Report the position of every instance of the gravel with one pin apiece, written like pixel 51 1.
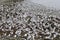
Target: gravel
pixel 28 21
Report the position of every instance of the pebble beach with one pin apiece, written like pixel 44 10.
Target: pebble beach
pixel 28 21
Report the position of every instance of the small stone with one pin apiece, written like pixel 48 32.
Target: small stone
pixel 11 32
pixel 25 35
pixel 9 35
pixel 15 35
pixel 3 30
